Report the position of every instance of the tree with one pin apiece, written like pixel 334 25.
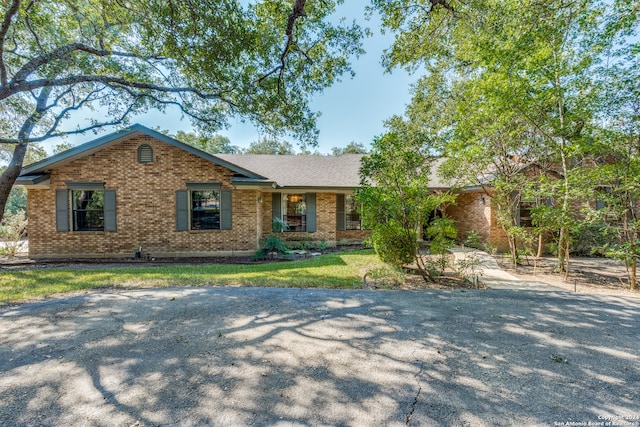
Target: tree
pixel 213 145
pixel 270 146
pixel 212 60
pixel 525 75
pixel 618 177
pixel 17 198
pixel 395 205
pixel 351 148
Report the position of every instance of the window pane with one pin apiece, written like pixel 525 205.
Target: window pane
pixel 205 210
pixel 88 210
pixel 294 212
pixel 525 213
pixel 351 211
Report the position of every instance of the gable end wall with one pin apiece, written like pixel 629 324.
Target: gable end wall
pixel 145 206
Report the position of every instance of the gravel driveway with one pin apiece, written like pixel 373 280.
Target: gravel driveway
pixel 252 356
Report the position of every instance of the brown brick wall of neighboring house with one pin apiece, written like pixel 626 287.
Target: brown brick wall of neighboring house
pixel 146 207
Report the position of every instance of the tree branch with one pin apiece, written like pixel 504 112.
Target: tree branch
pixel 25 86
pixel 444 3
pixel 63 52
pixel 4 28
pixel 27 20
pixel 297 12
pixel 74 107
pixel 51 133
pixel 138 96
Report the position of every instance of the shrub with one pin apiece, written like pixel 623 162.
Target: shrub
pixel 384 276
pixel 393 244
pixel 473 240
pixel 279 225
pixel 442 232
pixel 471 267
pixel 272 244
pixel 322 246
pixel 12 230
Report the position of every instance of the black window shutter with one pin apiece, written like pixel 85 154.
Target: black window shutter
pixel 340 219
pixel 109 210
pixel 225 210
pixel 182 210
pixel 276 205
pixel 311 212
pixel 62 210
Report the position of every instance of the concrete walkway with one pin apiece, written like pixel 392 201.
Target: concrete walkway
pixel 496 278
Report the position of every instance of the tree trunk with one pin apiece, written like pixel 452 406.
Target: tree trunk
pixel 10 175
pixel 540 245
pixel 634 278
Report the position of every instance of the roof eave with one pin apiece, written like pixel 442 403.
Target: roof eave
pixel 33 181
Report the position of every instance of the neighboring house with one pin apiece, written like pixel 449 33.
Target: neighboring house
pixel 141 189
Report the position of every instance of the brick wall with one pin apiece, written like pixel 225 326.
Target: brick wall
pixel 473 212
pixel 325 221
pixel 146 207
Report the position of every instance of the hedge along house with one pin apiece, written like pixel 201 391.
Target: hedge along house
pixel 141 189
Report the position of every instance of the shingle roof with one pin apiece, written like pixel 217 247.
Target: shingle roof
pixel 251 169
pixel 301 171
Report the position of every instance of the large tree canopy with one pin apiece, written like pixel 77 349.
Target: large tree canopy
pixel 525 84
pixel 212 60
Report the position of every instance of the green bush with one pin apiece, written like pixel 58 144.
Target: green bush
pixel 442 232
pixel 272 244
pixel 473 240
pixel 12 230
pixel 593 239
pixel 393 244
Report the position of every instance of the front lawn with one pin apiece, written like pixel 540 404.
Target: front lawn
pixel 337 270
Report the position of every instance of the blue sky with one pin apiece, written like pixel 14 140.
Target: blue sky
pixel 352 110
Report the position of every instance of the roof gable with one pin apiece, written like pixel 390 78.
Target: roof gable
pixel 90 147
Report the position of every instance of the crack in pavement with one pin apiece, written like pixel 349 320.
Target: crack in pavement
pixel 415 399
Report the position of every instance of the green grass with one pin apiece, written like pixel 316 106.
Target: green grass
pixel 338 270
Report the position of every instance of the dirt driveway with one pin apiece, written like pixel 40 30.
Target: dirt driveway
pixel 253 356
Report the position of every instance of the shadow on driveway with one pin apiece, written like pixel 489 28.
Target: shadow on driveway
pixel 242 356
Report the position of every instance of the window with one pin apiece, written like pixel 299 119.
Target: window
pixel 294 212
pixel 602 195
pixel 87 207
pixel 145 153
pixel 526 207
pixel 203 206
pixel 352 217
pixel 205 210
pixel 347 213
